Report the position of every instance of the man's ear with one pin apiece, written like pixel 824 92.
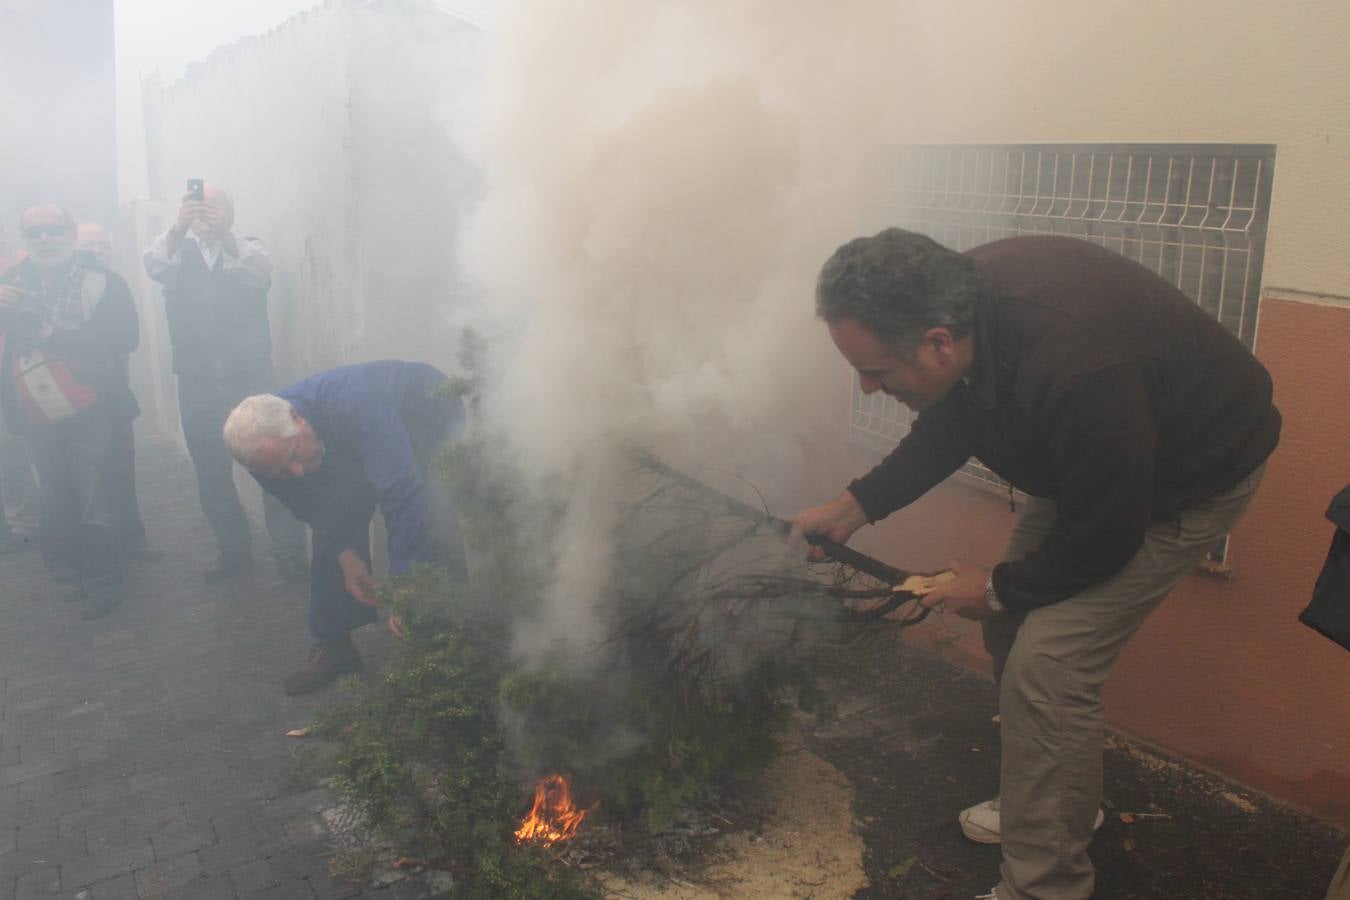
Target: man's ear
pixel 941 340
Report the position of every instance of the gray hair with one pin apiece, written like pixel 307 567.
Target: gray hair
pixel 898 284
pixel 257 417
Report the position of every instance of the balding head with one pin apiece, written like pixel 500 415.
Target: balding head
pixel 93 238
pixel 220 198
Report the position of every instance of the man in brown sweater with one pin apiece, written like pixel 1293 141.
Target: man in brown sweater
pixel 1136 424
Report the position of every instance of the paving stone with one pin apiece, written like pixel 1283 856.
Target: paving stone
pixel 225 855
pixel 174 841
pixel 232 823
pixel 286 890
pixel 162 877
pixel 109 864
pixel 254 877
pixel 123 887
pixel 24 862
pixel 36 833
pixel 217 888
pixel 45 882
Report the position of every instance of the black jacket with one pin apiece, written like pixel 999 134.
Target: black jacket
pixel 1329 611
pixel 1096 384
pixel 96 350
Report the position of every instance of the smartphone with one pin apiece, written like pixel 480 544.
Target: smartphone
pixel 196 189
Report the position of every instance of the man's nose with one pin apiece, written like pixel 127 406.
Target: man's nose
pixel 868 385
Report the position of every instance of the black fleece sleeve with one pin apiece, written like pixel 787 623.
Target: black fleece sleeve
pixel 933 449
pixel 112 329
pixel 1103 434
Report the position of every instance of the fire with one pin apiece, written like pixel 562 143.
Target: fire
pixel 554 817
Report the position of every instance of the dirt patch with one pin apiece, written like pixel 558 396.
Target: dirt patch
pixel 807 847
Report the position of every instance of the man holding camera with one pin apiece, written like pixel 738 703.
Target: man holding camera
pixel 68 325
pixel 215 297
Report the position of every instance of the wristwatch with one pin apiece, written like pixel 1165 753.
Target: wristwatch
pixel 991 596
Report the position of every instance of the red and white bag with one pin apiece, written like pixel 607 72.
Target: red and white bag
pixel 49 389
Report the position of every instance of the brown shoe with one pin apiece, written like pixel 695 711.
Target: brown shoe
pixel 327 661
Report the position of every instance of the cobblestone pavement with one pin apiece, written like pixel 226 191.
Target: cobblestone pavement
pixel 144 754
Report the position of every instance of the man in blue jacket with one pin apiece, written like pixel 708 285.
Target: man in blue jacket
pixel 334 447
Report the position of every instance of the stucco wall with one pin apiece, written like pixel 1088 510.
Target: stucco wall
pixel 1188 71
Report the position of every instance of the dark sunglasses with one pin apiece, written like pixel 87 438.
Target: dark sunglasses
pixel 33 232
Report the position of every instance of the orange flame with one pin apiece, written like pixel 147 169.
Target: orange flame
pixel 554 817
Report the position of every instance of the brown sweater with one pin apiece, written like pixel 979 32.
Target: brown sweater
pixel 1100 386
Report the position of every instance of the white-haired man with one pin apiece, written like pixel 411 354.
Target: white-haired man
pixel 333 448
pixel 215 299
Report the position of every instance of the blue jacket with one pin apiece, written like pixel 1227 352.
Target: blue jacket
pixel 381 424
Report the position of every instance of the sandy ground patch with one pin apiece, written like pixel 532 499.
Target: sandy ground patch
pixel 807 848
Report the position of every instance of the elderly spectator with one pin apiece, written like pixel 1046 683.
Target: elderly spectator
pixel 215 297
pixel 334 448
pixel 68 327
pixel 95 240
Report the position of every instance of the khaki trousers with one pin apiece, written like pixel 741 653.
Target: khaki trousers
pixel 1340 882
pixel 1051 664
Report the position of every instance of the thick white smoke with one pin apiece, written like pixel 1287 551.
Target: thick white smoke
pixel 664 181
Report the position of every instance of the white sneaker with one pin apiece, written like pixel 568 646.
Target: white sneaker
pixel 980 822
pixel 992 895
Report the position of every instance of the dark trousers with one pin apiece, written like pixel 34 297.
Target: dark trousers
pixel 129 526
pixel 204 403
pixel 75 463
pixel 332 610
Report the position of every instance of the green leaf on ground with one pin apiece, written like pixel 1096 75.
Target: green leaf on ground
pixel 900 870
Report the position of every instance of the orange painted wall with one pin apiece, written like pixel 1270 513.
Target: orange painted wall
pixel 1223 673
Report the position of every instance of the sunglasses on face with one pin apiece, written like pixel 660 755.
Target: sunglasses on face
pixel 33 232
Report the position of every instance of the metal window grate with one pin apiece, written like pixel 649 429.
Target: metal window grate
pixel 1194 213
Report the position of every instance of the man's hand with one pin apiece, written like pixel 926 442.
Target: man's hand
pixel 836 520
pixel 215 215
pixel 11 295
pixel 190 211
pixel 964 594
pixel 395 625
pixel 357 579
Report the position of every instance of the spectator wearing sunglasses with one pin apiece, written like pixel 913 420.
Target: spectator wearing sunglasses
pixel 215 297
pixel 68 326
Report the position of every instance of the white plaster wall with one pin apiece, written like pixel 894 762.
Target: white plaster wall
pixel 268 119
pixel 332 133
pixel 1181 71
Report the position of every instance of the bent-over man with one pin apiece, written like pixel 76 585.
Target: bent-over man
pixel 1137 425
pixel 333 448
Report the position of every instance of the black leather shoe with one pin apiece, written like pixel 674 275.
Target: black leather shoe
pixel 326 662
pixel 293 569
pixel 229 566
